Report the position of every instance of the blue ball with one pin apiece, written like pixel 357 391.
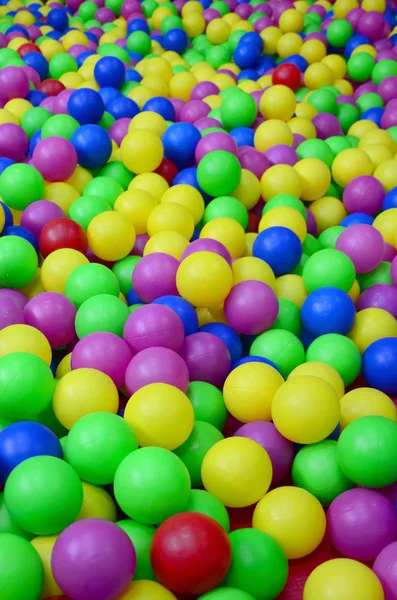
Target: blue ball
pixel 35 97
pixel 58 19
pixel 248 74
pixel 38 62
pixel 123 107
pixel 357 219
pixel 22 440
pixel 251 37
pixel 23 233
pixel 108 94
pixel 137 25
pixel 93 146
pixel 161 106
pixel 390 200
pixel 188 177
pixel 354 42
pixel 54 35
pixel 9 219
pixel 183 309
pixel 280 248
pixel 260 359
pixel 243 136
pixel 86 106
pixel 374 114
pixel 5 162
pixel 175 40
pixel 306 338
pixel 109 71
pixel 379 365
pixel 34 140
pixel 297 60
pixel 132 75
pixel 228 336
pixel 328 310
pixel 83 57
pixel 133 298
pixel 264 64
pixel 246 56
pixel 180 141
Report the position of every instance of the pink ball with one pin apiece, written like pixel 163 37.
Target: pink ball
pixel 61 102
pixel 203 89
pixel 364 245
pixel 207 245
pixel 281 154
pixel 55 158
pixel 207 358
pixel 14 142
pixel 385 567
pixel 154 325
pixel 382 296
pixel 14 83
pixel 103 351
pixel 38 214
pixel 155 276
pixel 371 25
pixel 15 295
pixel 10 313
pixel 393 271
pixel 215 141
pixel 119 129
pixel 193 111
pixel 251 307
pixel 253 160
pixel 156 365
pixel 178 104
pixel 53 314
pixel 364 194
pixel 140 243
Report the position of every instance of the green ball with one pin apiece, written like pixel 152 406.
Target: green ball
pixel 208 404
pixel 360 66
pixel 334 190
pixel 367 451
pixel 329 237
pixel 331 268
pixel 62 126
pixel 117 171
pixel 33 119
pixel 18 261
pixel 221 7
pixel 310 245
pixel 48 418
pixel 238 109
pixel 207 504
pixel 62 63
pixel 383 69
pixel 20 185
pixel 97 444
pixel 316 149
pixel 339 352
pixel 141 536
pixel 226 594
pixel 288 317
pixel 299 268
pixel 102 312
pixel 316 469
pixel 192 452
pixel 301 94
pixel 218 173
pixel 91 280
pixel 148 7
pixel 21 573
pixel 347 115
pixel 85 208
pixel 234 39
pixel 140 42
pixel 106 188
pixel 107 121
pixel 337 143
pixel 280 346
pixel 339 32
pixel 393 132
pixel 7 523
pixel 170 22
pixel 324 101
pixel 123 269
pixel 114 5
pixel 87 10
pixel 152 484
pixel 380 275
pixel 113 50
pixel 226 206
pixel 19 401
pixel 192 57
pixel 217 56
pixel 369 100
pixel 201 43
pixel 285 200
pixel 43 495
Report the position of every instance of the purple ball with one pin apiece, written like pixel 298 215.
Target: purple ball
pixel 154 325
pixel 253 160
pixel 104 15
pixel 38 214
pixel 361 522
pixel 207 245
pixel 155 276
pixel 281 154
pixel 326 125
pixel 93 559
pixel 16 296
pixel 103 351
pixel 55 158
pixel 10 313
pixel 49 103
pixel 193 111
pixel 280 450
pixel 140 243
pixel 53 314
pixel 156 365
pixel 61 102
pixel 119 129
pixel 203 89
pixel 210 14
pixel 14 142
pixel 14 83
pixel 354 15
pixel 178 104
pixel 215 141
pixel 385 567
pixel 387 89
pixel 364 245
pixel 206 122
pixel 363 194
pixel 393 271
pixel 311 223
pixel 371 25
pixel 389 118
pixel 380 295
pixel 251 307
pixel 389 253
pixel 207 358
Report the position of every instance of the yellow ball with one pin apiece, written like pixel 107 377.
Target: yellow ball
pixel 360 128
pixel 7 117
pixel 252 268
pixel 387 174
pixel 354 291
pixel 97 504
pixel 34 287
pixel 342 7
pixel 315 177
pixel 248 191
pixel 386 223
pixel 284 216
pixel 349 164
pixel 313 51
pixel 204 279
pixel 218 31
pixel 377 136
pixel 140 95
pixel 157 86
pixel 191 7
pixel 152 183
pixel 79 179
pixel 337 64
pixel 377 154
pixel 146 590
pixel 71 80
pixel 278 102
pixel 57 267
pixel 323 371
pixel 64 366
pixel 213 101
pixel 363 402
pixel 49 48
pixel 227 231
pixel 344 87
pixel 302 126
pixel 272 132
pixel 223 81
pixel 372 324
pixel 24 338
pixel 18 107
pixel 194 24
pixel 160 415
pixel 249 390
pixel 376 5
pixel 111 236
pixel 270 36
pixel 249 242
pixel 171 217
pixel 136 205
pixel 72 38
pixel 44 546
pixel 318 75
pixel 149 121
pixel 62 194
pixel 280 179
pixel 328 212
pixel 291 287
pixel 141 151
pixel 82 392
pixel 293 517
pixel 342 579
pixel 291 20
pixel 238 471
pixel 297 413
pixel 288 44
pixel 187 196
pixel 168 242
pixel 181 85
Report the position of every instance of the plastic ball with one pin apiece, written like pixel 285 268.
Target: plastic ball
pixel 154 325
pixel 208 404
pixel 207 357
pixel 28 583
pixel 218 173
pixel 155 276
pixel 339 352
pixel 215 278
pixel 109 71
pixel 384 569
pixel 89 280
pixel 280 179
pixel 111 236
pixel 86 106
pixel 356 241
pixel 20 185
pixel 278 102
pixel 141 151
pixel 342 576
pixel 328 310
pixel 19 261
pixel 93 146
pixel 280 346
pixel 364 402
pixel 279 247
pixel 372 324
pixel 350 164
pixel 287 74
pixel 328 267
pixel 53 315
pixel 251 307
pixel 101 312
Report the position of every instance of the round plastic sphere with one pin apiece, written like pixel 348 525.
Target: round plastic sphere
pixel 363 402
pixel 93 146
pixel 111 236
pixel 370 325
pixel 55 158
pixel 384 569
pixel 226 206
pixel 251 307
pixel 20 185
pixel 339 352
pixel 204 279
pixel 328 310
pixel 155 276
pixel 208 404
pixel 154 325
pixel 280 346
pixel 10 312
pixel 343 578
pixel 238 109
pixel 86 106
pixel 62 233
pixel 328 267
pixel 53 315
pixel 90 280
pixel 141 151
pixel 141 536
pixel 293 517
pixel 365 511
pixel 223 593
pixel 202 502
pixel 43 495
pixel 356 242
pixel 238 471
pixel 109 71
pixel 27 582
pixel 179 142
pixel 349 164
pixel 287 74
pixel 18 262
pixel 280 179
pixel 228 336
pixel 72 564
pixel 379 361
pixel 183 309
pixel 97 444
pixel 170 217
pixel 280 248
pixel 151 484
pixel 102 312
pixel 218 173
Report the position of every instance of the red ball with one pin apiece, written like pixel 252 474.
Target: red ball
pixel 287 74
pixel 26 48
pixel 190 553
pixel 168 170
pixel 51 87
pixel 62 233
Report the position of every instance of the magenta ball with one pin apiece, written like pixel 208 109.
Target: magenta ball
pixel 154 325
pixel 371 25
pixel 382 296
pixel 280 450
pixel 14 142
pixel 38 214
pixel 193 111
pixel 361 522
pixel 354 15
pixel 119 129
pixel 311 223
pixel 389 253
pixel 156 365
pixel 363 194
pixel 385 568
pixel 215 141
pixel 251 307
pixel 207 245
pixel 155 276
pixel 103 351
pixel 53 314
pixel 14 83
pixel 364 245
pixel 207 358
pixel 15 295
pixel 93 559
pixel 140 243
pixel 393 271
pixel 55 158
pixel 203 89
pixel 178 104
pixel 387 88
pixel 326 125
pixel 253 160
pixel 206 122
pixel 10 313
pixel 281 154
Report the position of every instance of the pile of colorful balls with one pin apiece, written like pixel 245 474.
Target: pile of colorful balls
pixel 198 300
